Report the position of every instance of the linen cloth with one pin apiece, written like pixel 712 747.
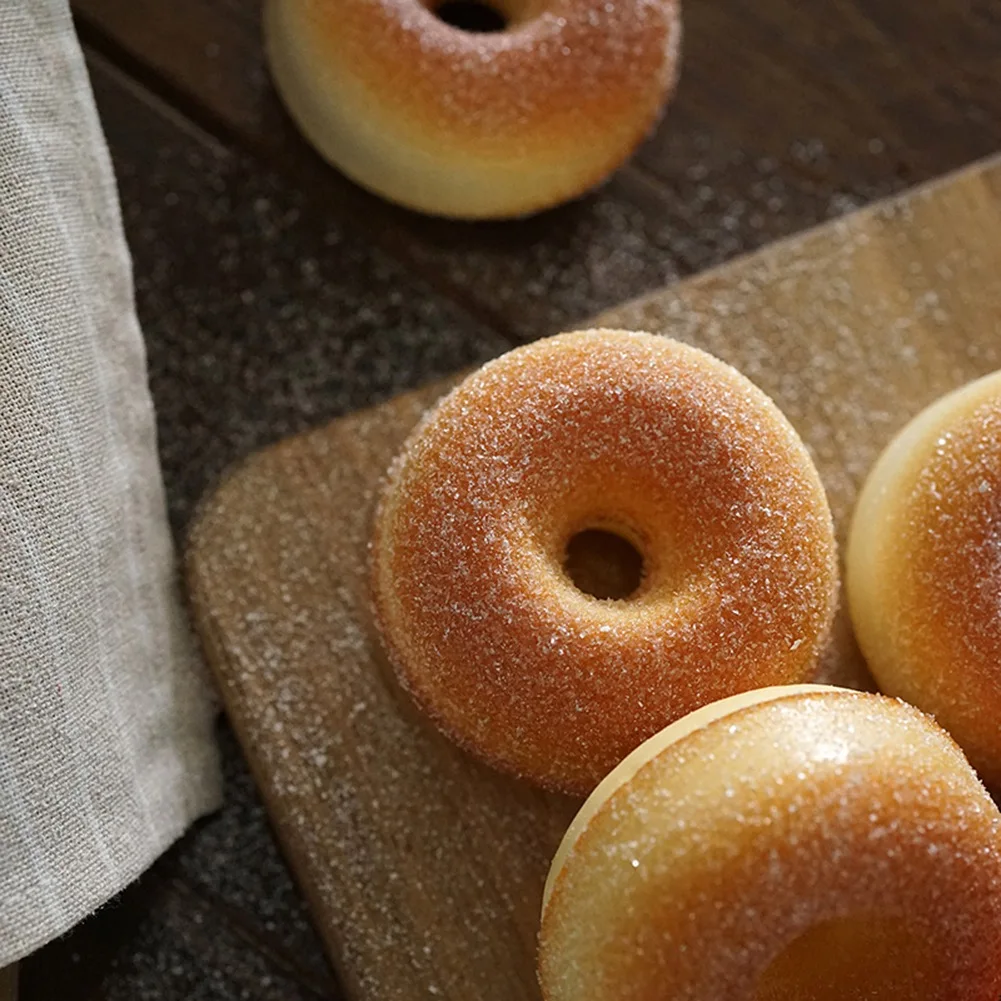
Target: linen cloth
pixel 106 749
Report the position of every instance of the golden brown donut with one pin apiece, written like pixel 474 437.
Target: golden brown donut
pixel 798 843
pixel 924 568
pixel 468 124
pixel 490 514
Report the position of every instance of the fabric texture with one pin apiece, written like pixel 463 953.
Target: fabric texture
pixel 106 750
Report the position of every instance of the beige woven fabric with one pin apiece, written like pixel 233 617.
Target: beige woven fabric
pixel 106 750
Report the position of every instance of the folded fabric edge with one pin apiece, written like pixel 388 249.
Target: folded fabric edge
pixel 198 792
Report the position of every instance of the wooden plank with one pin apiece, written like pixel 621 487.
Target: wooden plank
pixel 260 317
pixel 523 279
pixel 847 94
pixel 423 869
pixel 258 320
pixel 766 75
pixel 8 983
pixel 821 107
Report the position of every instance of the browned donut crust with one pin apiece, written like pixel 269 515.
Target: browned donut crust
pixel 924 568
pixel 468 124
pixel 654 440
pixel 807 846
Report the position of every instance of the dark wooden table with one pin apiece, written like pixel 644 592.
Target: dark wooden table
pixel 274 294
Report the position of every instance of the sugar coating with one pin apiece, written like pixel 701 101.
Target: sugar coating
pixel 380 885
pixel 409 889
pixel 631 432
pixel 930 620
pixel 733 843
pixel 565 71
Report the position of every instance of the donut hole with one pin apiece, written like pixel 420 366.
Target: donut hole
pixel 882 959
pixel 471 15
pixel 603 564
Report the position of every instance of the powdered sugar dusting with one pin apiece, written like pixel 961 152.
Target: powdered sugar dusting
pixel 956 514
pixel 588 67
pixel 355 780
pixel 848 354
pixel 929 613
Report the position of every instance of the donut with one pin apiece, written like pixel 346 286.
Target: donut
pixel 590 537
pixel 798 843
pixel 474 124
pixel 923 568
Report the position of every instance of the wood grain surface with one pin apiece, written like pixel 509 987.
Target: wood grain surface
pixel 8 983
pixel 423 869
pixel 788 114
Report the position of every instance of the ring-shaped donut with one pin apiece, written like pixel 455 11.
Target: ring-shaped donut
pixel 632 435
pixel 923 568
pixel 469 124
pixel 790 844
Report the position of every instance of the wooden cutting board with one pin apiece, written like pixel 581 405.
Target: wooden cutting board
pixel 423 869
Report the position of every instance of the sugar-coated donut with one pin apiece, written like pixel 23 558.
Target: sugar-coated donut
pixel 923 568
pixel 531 473
pixel 799 843
pixel 471 124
